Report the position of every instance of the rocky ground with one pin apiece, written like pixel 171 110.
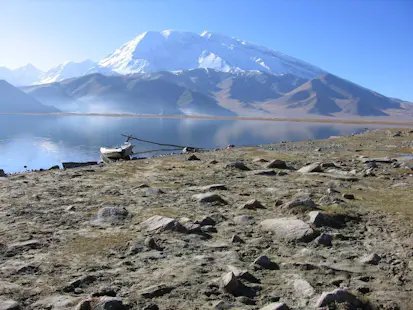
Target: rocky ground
pixel 317 224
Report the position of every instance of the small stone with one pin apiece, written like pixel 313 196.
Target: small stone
pixel 151 243
pixel 246 300
pixel 316 167
pixel 237 165
pixel 156 291
pixel 109 216
pixel 371 259
pixel 236 239
pixel 219 305
pixel 104 291
pixel 243 274
pixel 154 191
pixel 263 262
pixel 289 228
pixel 215 187
pixel 9 304
pixel 260 160
pixel 213 162
pixel 301 205
pixel 209 229
pixel 192 157
pixel 302 288
pixel 252 205
pixel 282 173
pixel 101 303
pixel 192 228
pixel 207 221
pixel 265 172
pixel 208 198
pixel 324 239
pixel 276 306
pixel 161 223
pixel 277 164
pixel 349 196
pixel 338 296
pixel 218 218
pixel 332 191
pixel 229 282
pixel 338 280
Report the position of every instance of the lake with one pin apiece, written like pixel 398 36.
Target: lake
pixel 43 141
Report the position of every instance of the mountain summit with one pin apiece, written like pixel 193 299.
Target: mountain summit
pixel 172 50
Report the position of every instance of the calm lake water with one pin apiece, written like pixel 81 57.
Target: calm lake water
pixel 43 141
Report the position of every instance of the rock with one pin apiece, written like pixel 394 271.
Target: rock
pixel 143 185
pixel 339 296
pixel 371 164
pixel 209 229
pixel 55 167
pixel 104 291
pixel 2 174
pixel 80 282
pixel 349 196
pixel 252 204
pixel 8 287
pixel 70 165
pixel 57 302
pixel 229 283
pixel 18 247
pixel 217 217
pixel 136 248
pixel 319 219
pixel 316 167
pixel 371 259
pixel 208 198
pixel 243 274
pixel 303 288
pixel 213 162
pixel 301 205
pixel 101 303
pixel 192 157
pixel 193 228
pixel 328 165
pixel 277 164
pixel 151 307
pixel 264 172
pixel 160 223
pixel 207 221
pixel 151 244
pixel 324 239
pixel 332 191
pixel 260 160
pixel 8 304
pixel 154 191
pixel 237 165
pixel 219 305
pixel 276 306
pixel 263 262
pixel 289 228
pixel 282 173
pixel 156 291
pixel 214 187
pixel 109 216
pixel 236 239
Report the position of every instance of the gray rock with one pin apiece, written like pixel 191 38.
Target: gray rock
pixel 18 247
pixel 264 172
pixel 319 219
pixel 338 296
pixel 237 165
pixel 209 229
pixel 243 274
pixel 263 262
pixel 260 160
pixel 101 303
pixel 2 174
pixel 252 204
pixel 289 228
pixel 151 244
pixel 160 223
pixel 8 304
pixel 207 221
pixel 109 216
pixel 229 283
pixel 80 282
pixel 324 239
pixel 193 228
pixel 57 302
pixel 301 205
pixel 213 162
pixel 371 259
pixel 8 287
pixel 156 291
pixel 236 239
pixel 316 167
pixel 349 196
pixel 214 187
pixel 302 288
pixel 218 218
pixel 192 157
pixel 276 306
pixel 209 198
pixel 277 164
pixel 105 291
pixel 282 173
pixel 219 305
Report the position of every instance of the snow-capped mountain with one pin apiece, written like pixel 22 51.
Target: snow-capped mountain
pixel 68 70
pixel 172 50
pixel 25 75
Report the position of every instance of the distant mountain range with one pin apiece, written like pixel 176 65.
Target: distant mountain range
pixel 176 72
pixel 213 92
pixel 13 100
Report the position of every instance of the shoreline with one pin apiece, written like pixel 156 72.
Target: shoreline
pixel 240 118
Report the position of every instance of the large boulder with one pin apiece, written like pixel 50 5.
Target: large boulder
pixel 289 228
pixel 339 296
pixel 160 223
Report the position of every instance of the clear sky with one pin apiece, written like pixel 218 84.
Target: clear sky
pixel 369 42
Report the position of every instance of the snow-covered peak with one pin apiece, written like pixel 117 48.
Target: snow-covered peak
pixel 173 50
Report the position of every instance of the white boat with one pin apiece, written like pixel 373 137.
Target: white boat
pixel 122 152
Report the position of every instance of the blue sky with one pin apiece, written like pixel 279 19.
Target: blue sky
pixel 369 42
